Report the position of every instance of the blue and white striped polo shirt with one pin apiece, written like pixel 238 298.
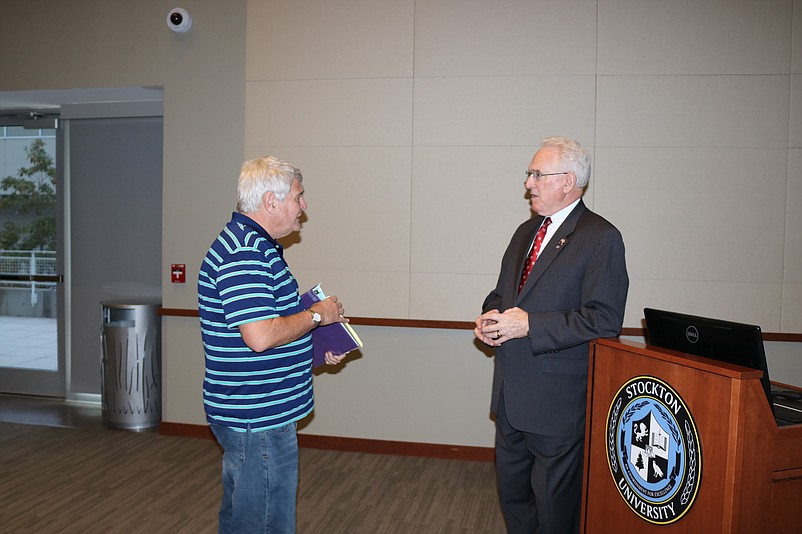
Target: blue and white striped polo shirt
pixel 244 278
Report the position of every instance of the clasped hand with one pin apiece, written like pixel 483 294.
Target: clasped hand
pixel 494 327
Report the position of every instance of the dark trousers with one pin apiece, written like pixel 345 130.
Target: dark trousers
pixel 539 479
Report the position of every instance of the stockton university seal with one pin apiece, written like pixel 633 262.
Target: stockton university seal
pixel 653 450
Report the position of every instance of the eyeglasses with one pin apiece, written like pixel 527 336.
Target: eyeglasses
pixel 537 175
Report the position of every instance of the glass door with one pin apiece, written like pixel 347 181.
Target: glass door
pixel 30 359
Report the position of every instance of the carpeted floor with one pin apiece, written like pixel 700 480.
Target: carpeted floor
pixel 96 480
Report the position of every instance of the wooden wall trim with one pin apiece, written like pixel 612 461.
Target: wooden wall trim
pixel 177 312
pixel 372 446
pixel 461 325
pixel 397 448
pixel 365 321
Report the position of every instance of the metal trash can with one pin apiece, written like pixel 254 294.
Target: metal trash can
pixel 131 364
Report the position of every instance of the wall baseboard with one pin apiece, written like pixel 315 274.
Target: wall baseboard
pixel 372 446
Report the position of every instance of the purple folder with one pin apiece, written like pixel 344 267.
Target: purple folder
pixel 338 338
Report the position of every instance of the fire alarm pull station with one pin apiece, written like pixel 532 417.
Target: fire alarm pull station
pixel 179 273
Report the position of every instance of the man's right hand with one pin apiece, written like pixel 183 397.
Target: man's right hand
pixel 330 310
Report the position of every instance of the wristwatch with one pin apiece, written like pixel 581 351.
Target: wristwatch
pixel 315 317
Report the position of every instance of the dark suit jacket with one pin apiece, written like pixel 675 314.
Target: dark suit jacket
pixel 576 293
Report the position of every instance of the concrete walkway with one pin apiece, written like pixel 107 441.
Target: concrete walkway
pixel 28 342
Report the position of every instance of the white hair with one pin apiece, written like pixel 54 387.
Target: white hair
pixel 262 175
pixel 573 155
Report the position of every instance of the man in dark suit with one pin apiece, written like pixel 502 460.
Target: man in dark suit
pixel 541 322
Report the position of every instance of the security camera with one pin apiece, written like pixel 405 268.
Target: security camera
pixel 178 20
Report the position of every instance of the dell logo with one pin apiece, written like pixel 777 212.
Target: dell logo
pixel 692 334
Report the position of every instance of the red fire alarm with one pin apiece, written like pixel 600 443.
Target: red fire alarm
pixel 178 273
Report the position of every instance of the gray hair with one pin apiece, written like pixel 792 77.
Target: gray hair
pixel 573 155
pixel 262 175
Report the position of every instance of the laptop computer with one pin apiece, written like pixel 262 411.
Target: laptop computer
pixel 727 341
pixel 787 405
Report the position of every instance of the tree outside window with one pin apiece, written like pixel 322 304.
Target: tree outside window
pixel 31 196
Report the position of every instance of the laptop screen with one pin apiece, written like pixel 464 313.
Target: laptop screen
pixel 726 341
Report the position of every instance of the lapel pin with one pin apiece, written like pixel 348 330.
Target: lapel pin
pixel 560 244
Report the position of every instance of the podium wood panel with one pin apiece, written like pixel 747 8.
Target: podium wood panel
pixel 751 468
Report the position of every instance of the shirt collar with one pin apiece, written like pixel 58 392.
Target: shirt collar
pixel 558 218
pixel 241 218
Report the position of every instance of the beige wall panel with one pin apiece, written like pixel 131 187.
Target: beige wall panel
pixel 589 196
pixel 290 40
pixel 58 45
pixel 358 203
pixel 692 214
pixel 450 297
pixel 792 309
pixel 182 371
pixel 364 293
pixel 493 111
pixel 795 136
pixel 467 203
pixel 753 303
pixel 418 385
pixel 685 111
pixel 202 158
pixel 796 39
pixel 508 37
pixel 691 37
pixel 783 361
pixel 329 112
pixel 793 226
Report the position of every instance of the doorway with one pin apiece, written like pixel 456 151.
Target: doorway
pixel 30 279
pixel 115 229
pixel 108 182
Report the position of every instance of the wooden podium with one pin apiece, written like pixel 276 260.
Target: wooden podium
pixel 750 469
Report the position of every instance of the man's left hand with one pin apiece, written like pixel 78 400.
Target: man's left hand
pixel 334 359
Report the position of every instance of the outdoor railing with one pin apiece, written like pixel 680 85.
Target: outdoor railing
pixel 19 268
pixel 28 280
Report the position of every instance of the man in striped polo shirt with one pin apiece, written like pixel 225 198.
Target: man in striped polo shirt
pixel 258 345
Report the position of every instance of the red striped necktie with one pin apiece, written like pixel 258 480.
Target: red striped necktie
pixel 532 258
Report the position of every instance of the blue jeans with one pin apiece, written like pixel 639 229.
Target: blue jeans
pixel 260 480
